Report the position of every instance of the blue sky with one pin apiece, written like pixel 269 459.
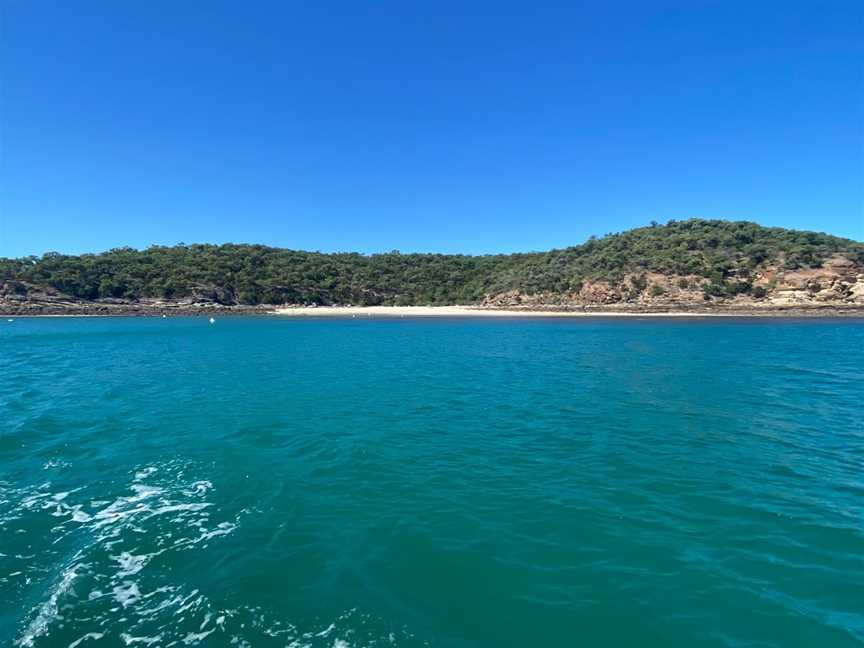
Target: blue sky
pixel 423 126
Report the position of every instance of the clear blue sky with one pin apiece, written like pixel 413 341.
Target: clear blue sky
pixel 450 126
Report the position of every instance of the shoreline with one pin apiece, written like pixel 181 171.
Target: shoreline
pixel 485 312
pixel 457 311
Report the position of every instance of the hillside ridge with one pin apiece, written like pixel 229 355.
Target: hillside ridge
pixel 691 263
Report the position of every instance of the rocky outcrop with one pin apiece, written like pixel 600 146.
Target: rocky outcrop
pixel 21 299
pixel 839 282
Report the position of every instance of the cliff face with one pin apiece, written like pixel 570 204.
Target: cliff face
pixel 839 282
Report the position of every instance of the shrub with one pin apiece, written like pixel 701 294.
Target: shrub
pixel 714 290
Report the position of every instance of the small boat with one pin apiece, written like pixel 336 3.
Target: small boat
pixel 212 321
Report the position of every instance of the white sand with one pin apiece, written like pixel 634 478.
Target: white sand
pixel 466 311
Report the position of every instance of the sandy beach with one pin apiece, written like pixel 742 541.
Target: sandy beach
pixel 419 312
pixel 475 311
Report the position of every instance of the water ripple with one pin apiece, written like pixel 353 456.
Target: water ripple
pixel 273 483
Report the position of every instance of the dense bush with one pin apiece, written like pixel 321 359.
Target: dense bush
pixel 724 252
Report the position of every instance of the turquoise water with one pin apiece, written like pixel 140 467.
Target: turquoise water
pixel 268 482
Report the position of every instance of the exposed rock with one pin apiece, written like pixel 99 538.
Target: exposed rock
pixel 839 282
pixel 31 300
pixel 597 292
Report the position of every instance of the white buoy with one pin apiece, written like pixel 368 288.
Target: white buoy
pixel 212 321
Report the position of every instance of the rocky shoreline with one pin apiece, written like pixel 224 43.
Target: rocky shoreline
pixel 107 308
pixel 157 308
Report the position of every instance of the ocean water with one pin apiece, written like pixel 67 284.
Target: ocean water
pixel 342 483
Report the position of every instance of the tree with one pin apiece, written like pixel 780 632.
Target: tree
pixel 727 253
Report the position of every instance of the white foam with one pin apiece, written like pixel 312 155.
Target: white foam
pixel 90 635
pixel 127 593
pixel 196 506
pixel 79 516
pixel 223 528
pixel 195 637
pixel 178 516
pixel 206 620
pixel 132 564
pixel 142 491
pixel 118 510
pixel 144 474
pixel 48 612
pixel 199 488
pixel 147 641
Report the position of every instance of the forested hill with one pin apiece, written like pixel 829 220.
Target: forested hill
pixel 721 258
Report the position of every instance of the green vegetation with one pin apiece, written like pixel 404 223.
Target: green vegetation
pixel 725 253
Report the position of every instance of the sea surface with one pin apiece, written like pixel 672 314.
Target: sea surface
pixel 342 483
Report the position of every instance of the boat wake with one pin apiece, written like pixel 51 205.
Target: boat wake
pixel 94 580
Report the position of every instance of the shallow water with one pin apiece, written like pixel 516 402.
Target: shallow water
pixel 268 482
